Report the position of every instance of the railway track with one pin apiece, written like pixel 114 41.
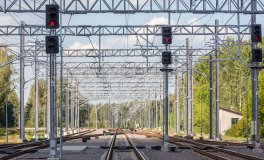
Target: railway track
pixel 220 143
pixel 21 149
pixel 3 146
pixel 207 150
pixel 132 148
pixel 225 143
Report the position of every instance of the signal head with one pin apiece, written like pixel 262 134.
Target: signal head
pixel 52 16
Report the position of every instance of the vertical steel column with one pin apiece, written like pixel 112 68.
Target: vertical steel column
pixel 144 119
pixel 48 97
pixel 109 114
pixel 254 74
pixel 191 90
pixel 22 83
pixel 166 138
pixel 75 105
pixel 201 116
pixel 96 116
pixel 183 103
pixel 99 55
pixel 166 71
pixel 67 105
pixel 61 78
pixel 177 110
pixel 246 79
pixel 161 110
pixel 36 91
pixel 53 142
pixel 6 112
pixel 149 108
pixel 78 106
pixel 156 111
pixel 55 102
pixel 72 104
pixel 211 97
pixel 140 119
pixel 188 98
pixel 217 91
pixel 147 56
pixel 112 118
pixel 238 37
pixel 88 117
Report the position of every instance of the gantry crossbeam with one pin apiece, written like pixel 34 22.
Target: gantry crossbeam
pixel 136 52
pixel 134 6
pixel 124 65
pixel 119 30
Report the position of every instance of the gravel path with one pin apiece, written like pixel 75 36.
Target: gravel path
pixel 124 154
pixel 92 152
pixel 163 155
pixel 248 151
pixel 121 140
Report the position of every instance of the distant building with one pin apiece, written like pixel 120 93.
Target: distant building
pixel 228 118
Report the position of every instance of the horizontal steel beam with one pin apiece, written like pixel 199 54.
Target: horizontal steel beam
pixel 137 52
pixel 119 30
pixel 134 6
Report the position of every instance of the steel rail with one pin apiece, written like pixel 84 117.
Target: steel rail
pixel 230 152
pixel 3 146
pixel 41 145
pixel 225 143
pixel 110 150
pixel 137 152
pixel 176 141
pixel 197 150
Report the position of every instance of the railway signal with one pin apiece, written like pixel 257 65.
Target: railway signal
pixel 166 58
pixel 52 44
pixel 52 16
pixel 256 55
pixel 166 35
pixel 256 33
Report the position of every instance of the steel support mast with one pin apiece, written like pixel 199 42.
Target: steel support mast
pixel 217 84
pixel 254 76
pixel 36 90
pixel 211 97
pixel 22 84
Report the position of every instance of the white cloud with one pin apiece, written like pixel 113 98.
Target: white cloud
pixel 159 21
pixel 6 20
pixel 125 41
pixel 78 45
pixel 131 41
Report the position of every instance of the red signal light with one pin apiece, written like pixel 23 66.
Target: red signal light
pixel 257 38
pixel 166 35
pixel 52 23
pixel 167 39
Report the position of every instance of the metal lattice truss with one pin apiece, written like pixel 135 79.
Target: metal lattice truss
pixel 120 81
pixel 113 53
pixel 139 30
pixel 134 6
pixel 125 74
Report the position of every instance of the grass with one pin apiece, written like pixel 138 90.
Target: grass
pixel 234 139
pixel 13 135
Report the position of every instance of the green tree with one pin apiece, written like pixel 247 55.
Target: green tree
pixel 7 89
